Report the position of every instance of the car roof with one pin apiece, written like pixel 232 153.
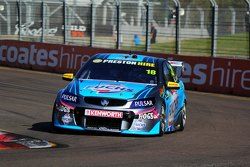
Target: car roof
pixel 127 57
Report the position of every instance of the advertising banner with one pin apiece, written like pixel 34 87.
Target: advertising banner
pixel 220 75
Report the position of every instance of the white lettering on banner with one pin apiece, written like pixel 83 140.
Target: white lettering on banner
pixel 42 57
pixel 244 79
pixel 202 76
pixel 75 28
pixel 103 113
pixel 227 76
pixel 25 30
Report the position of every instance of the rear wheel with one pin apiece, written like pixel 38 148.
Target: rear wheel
pixel 183 118
pixel 162 127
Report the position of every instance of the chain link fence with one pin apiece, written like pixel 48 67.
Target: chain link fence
pixel 166 26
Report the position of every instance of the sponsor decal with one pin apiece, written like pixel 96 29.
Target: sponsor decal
pixel 43 56
pixel 149 102
pixel 75 30
pixel 173 84
pixel 109 88
pixel 176 63
pixel 66 119
pixel 104 102
pixel 143 103
pixel 149 115
pixel 69 98
pixel 97 60
pixel 221 74
pixel 145 64
pixel 140 125
pixel 103 113
pixel 102 129
pixel 80 28
pixel 25 29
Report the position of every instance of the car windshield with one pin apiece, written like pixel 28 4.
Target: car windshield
pixel 129 71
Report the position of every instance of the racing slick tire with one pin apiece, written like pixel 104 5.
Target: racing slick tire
pixel 54 129
pixel 162 127
pixel 182 118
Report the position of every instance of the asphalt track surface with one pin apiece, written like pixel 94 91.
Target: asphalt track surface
pixel 217 131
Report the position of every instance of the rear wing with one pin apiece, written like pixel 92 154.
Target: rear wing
pixel 178 67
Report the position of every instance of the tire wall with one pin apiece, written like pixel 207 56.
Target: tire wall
pixel 219 75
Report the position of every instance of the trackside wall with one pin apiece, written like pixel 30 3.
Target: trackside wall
pixel 220 75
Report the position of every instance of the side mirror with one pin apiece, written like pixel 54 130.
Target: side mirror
pixel 68 76
pixel 173 85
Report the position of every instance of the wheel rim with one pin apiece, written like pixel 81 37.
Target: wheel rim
pixel 163 120
pixel 184 116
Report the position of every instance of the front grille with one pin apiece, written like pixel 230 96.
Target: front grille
pixel 97 101
pixel 109 123
pixel 103 122
pixel 79 113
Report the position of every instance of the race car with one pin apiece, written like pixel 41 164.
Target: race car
pixel 123 93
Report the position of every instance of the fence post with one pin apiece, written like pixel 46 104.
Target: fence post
pixel 19 18
pixel 249 31
pixel 177 26
pixel 117 24
pixel 147 45
pixel 43 21
pixel 233 20
pixel 214 27
pixel 8 17
pixel 248 4
pixel 64 22
pixel 91 25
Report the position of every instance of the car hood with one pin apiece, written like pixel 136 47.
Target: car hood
pixel 110 89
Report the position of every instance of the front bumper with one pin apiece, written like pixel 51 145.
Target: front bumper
pixel 133 121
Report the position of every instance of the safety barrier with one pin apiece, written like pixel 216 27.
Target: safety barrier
pixel 220 75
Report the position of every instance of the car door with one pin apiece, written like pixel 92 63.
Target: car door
pixel 171 95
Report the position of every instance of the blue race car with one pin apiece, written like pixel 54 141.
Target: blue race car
pixel 124 93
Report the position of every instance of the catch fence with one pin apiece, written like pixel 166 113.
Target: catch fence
pixel 189 29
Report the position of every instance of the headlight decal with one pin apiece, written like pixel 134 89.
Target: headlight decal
pixel 63 107
pixel 64 113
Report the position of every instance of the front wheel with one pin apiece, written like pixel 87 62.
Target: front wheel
pixel 162 127
pixel 53 128
pixel 183 118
